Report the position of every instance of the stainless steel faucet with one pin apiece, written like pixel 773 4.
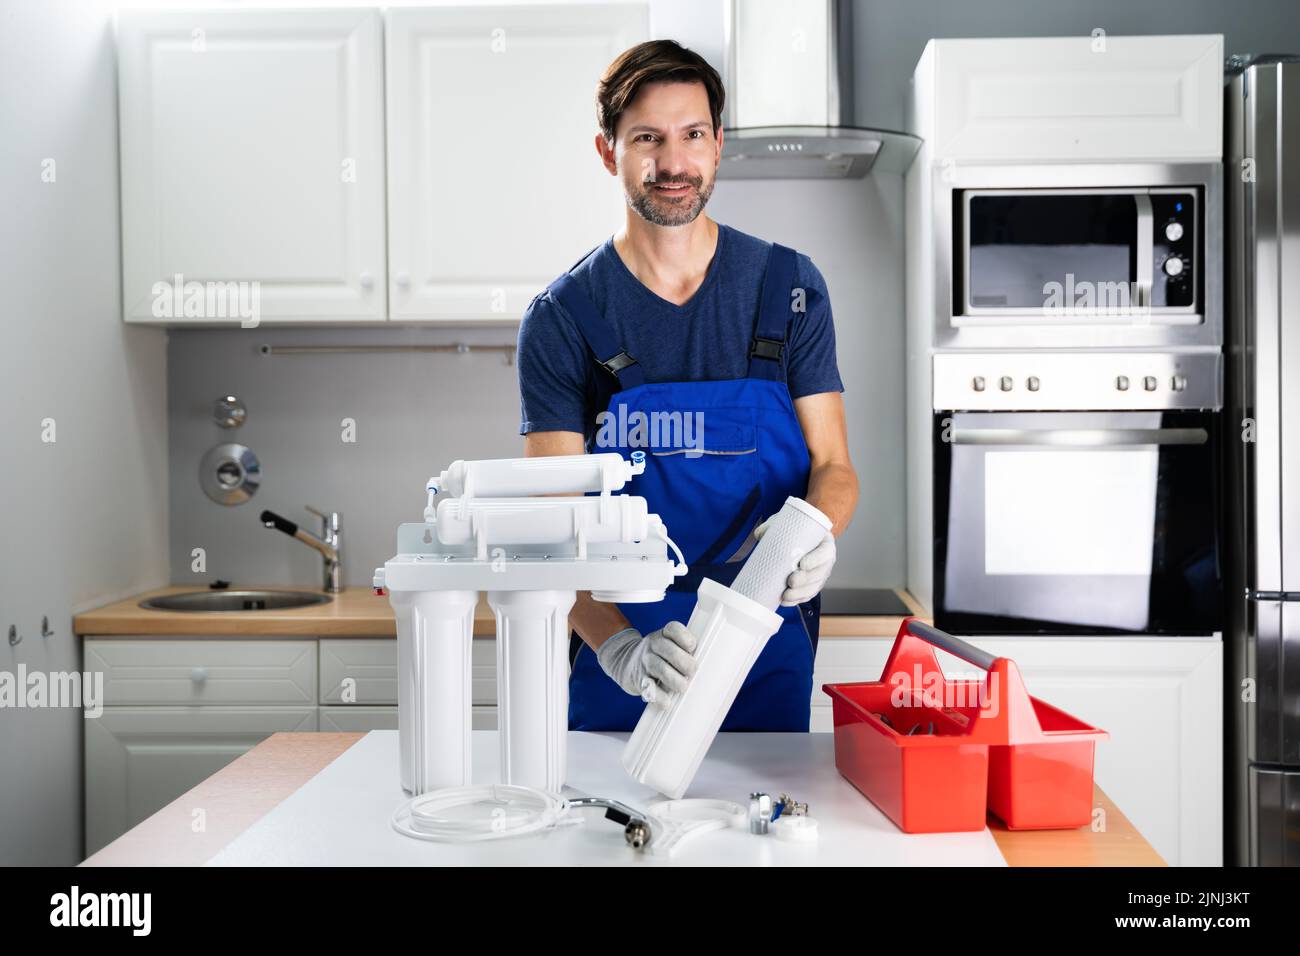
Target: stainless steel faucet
pixel 328 544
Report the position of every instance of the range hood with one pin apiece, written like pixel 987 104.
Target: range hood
pixel 789 108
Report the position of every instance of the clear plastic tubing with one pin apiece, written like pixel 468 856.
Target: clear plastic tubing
pixel 533 685
pixel 543 520
pixel 433 687
pixel 520 477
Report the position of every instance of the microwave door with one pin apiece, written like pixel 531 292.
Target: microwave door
pixel 1073 252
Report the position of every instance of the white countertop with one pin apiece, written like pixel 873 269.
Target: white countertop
pixel 340 817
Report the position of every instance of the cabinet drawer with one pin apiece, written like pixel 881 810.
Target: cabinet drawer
pixel 349 719
pixel 363 719
pixel 373 665
pixel 160 671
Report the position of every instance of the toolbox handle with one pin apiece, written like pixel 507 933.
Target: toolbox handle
pixel 953 645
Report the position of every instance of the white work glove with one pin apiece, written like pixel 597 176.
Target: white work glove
pixel 660 660
pixel 814 569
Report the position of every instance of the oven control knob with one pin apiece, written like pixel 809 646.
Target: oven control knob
pixel 1004 383
pixel 1174 231
pixel 1149 383
pixel 977 383
pixel 1178 383
pixel 1121 383
pixel 1173 266
pixel 1031 383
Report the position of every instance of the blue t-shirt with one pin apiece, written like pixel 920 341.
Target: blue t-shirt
pixel 561 388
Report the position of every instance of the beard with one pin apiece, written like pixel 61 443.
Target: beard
pixel 654 207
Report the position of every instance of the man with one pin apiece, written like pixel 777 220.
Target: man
pixel 726 343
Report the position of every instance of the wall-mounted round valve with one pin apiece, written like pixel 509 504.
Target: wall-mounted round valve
pixel 230 474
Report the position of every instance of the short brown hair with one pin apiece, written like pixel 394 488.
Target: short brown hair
pixel 655 61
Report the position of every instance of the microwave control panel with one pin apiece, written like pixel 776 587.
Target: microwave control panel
pixel 1174 258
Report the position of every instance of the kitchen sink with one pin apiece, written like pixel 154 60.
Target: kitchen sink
pixel 242 600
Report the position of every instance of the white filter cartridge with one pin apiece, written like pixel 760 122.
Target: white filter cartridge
pixel 732 625
pixel 543 520
pixel 543 475
pixel 797 528
pixel 533 685
pixel 434 634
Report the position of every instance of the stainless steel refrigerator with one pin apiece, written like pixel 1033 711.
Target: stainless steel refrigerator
pixel 1262 180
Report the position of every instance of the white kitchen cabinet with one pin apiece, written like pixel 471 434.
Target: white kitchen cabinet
pixel 1072 99
pixel 357 718
pixel 252 163
pixel 1161 701
pixel 843 660
pixel 372 665
pixel 369 665
pixel 494 184
pixel 360 719
pixel 139 759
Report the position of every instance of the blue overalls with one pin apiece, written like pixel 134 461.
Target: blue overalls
pixel 710 489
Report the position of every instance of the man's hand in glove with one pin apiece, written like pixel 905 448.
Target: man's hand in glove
pixel 814 569
pixel 662 658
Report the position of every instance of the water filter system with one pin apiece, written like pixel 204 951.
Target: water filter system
pixel 531 555
pixel 495 532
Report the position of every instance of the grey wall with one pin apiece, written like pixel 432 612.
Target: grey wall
pixel 415 414
pixel 85 515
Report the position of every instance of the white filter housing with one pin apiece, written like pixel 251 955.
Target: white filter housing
pixel 533 685
pixel 732 626
pixel 674 733
pixel 434 634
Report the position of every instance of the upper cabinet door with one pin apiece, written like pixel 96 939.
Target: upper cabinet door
pixel 495 186
pixel 252 166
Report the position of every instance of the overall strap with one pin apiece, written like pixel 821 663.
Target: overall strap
pixel 600 337
pixel 765 353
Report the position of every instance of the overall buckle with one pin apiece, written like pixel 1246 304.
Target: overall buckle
pixel 767 348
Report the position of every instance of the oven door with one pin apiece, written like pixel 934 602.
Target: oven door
pixel 1077 522
pixel 1077 256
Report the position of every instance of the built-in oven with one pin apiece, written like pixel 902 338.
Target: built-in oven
pixel 1056 514
pixel 1078 256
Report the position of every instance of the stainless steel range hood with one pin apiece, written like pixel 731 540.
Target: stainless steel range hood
pixel 789 109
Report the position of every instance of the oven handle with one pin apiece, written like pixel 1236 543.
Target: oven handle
pixel 1080 437
pixel 953 645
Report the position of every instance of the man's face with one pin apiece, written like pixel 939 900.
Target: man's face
pixel 666 154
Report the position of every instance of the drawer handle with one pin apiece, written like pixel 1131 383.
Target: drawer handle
pixel 198 674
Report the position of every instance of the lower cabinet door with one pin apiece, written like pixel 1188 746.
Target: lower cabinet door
pixel 139 759
pixel 346 718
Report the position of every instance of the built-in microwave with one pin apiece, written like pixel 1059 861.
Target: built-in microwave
pixel 1079 255
pixel 1095 255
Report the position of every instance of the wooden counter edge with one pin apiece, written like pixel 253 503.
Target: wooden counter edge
pixel 356 612
pixel 240 794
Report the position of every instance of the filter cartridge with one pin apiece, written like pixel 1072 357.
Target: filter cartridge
pixel 797 528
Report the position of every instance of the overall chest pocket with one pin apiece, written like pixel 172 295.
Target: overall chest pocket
pixel 706 432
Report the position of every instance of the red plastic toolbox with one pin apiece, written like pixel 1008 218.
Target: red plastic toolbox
pixel 935 754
